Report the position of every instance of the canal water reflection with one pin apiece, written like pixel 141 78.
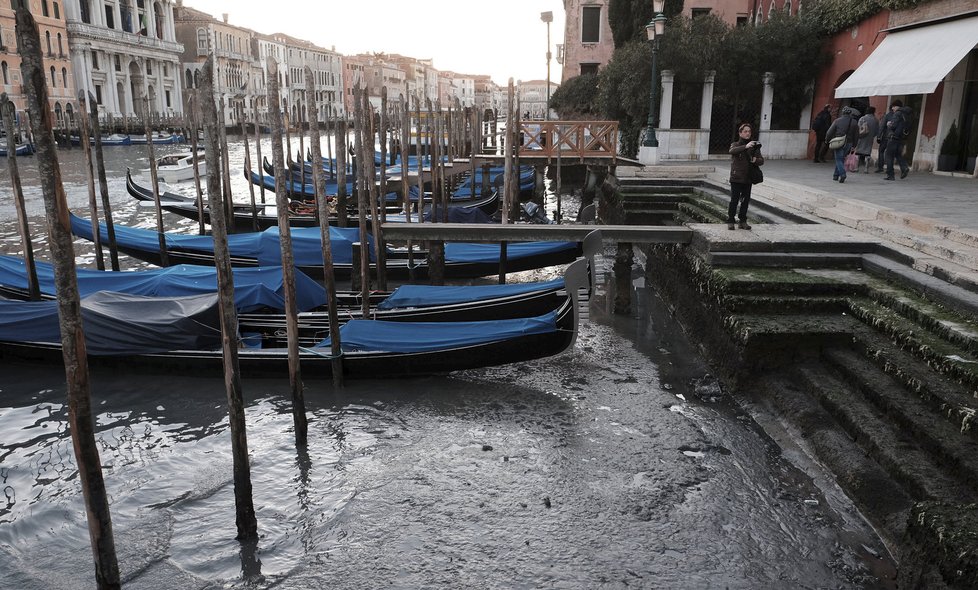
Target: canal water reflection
pixel 621 463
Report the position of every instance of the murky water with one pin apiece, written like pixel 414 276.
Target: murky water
pixel 619 464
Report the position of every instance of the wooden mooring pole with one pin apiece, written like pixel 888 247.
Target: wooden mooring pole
pixel 251 185
pixel 7 110
pixel 103 185
pixel 75 356
pixel 341 197
pixel 258 159
pixel 378 202
pixel 153 178
pixel 362 192
pixel 288 261
pixel 90 176
pixel 245 519
pixel 336 360
pixel 193 146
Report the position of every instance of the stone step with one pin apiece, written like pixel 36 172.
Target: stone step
pixel 893 449
pixel 950 294
pixel 925 427
pixel 873 490
pixel 786 259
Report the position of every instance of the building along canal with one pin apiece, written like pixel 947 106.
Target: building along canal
pixel 631 461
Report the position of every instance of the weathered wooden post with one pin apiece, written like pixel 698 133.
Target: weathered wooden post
pixel 193 146
pixel 228 209
pixel 154 180
pixel 90 174
pixel 251 185
pixel 103 185
pixel 378 202
pixel 405 181
pixel 245 519
pixel 557 146
pixel 336 360
pixel 80 420
pixel 341 198
pixel 330 124
pixel 258 159
pixel 6 110
pixel 288 262
pixel 359 97
pixel 436 248
pixel 508 201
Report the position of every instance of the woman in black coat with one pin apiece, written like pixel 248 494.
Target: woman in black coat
pixel 743 153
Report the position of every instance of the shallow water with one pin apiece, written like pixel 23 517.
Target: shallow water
pixel 619 464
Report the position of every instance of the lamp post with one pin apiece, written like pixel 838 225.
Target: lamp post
pixel 548 18
pixel 655 29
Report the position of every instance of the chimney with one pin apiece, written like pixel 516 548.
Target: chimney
pixel 225 15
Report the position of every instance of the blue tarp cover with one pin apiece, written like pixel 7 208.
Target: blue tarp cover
pixel 407 337
pixel 254 288
pixel 119 323
pixel 306 245
pixel 426 295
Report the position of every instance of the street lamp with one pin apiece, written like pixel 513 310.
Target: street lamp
pixel 548 18
pixel 655 29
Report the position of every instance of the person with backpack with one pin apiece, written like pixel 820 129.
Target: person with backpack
pixel 898 129
pixel 845 127
pixel 869 128
pixel 820 125
pixel 895 106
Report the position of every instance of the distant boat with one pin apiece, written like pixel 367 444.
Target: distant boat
pixel 178 167
pixel 22 149
pixel 159 138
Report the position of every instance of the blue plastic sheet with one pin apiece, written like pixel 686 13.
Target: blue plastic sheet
pixel 408 337
pixel 407 296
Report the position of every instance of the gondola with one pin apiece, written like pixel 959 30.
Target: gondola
pixel 462 260
pixel 265 215
pixel 20 149
pixel 144 334
pixel 116 139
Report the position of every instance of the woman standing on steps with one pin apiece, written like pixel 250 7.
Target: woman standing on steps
pixel 743 153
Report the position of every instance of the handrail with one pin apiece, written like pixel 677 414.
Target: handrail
pixel 580 139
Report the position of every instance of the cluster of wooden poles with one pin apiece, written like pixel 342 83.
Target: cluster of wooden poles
pixel 461 129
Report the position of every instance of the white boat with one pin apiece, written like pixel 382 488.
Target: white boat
pixel 178 167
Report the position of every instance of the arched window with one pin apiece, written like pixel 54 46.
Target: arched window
pixel 158 12
pixel 54 80
pixel 770 11
pixel 57 11
pixel 197 79
pixel 59 115
pixel 201 41
pixel 64 77
pixel 69 112
pixel 787 7
pixel 44 8
pixel 6 73
pixel 61 47
pixel 47 37
pixel 190 78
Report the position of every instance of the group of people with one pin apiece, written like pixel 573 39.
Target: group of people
pixel 855 133
pixel 861 132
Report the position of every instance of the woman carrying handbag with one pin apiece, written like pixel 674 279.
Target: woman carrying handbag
pixel 745 155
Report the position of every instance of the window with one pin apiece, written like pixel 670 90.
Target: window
pixel 57 14
pixel 69 112
pixel 190 78
pixel 44 8
pixel 98 94
pixel 787 7
pixel 47 37
pixel 118 63
pixel 86 14
pixel 125 13
pixel 54 80
pixel 591 68
pixel 110 16
pixel 149 67
pixel 741 21
pixel 64 77
pixel 158 13
pixel 166 70
pixel 61 47
pixel 6 72
pixel 698 12
pixel 591 24
pixel 94 59
pixel 168 104
pixel 201 42
pixel 2 46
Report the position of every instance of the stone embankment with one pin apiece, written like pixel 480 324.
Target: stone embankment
pixel 856 326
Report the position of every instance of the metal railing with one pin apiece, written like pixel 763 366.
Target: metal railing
pixel 572 139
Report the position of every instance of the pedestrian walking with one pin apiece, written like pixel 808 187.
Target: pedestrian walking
pixel 744 153
pixel 869 128
pixel 898 129
pixel 820 125
pixel 845 127
pixel 881 139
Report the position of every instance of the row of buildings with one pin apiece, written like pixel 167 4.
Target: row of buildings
pixel 121 50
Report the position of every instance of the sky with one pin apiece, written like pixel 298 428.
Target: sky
pixel 504 38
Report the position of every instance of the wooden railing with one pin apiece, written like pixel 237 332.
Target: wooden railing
pixel 572 139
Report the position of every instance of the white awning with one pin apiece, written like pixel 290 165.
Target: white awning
pixel 913 61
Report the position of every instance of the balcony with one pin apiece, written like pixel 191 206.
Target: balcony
pixel 98 33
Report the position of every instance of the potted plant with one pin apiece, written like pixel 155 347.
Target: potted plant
pixel 947 160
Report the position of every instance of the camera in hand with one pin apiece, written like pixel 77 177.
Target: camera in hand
pixel 757 144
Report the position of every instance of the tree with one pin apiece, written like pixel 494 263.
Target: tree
pixel 577 98
pixel 623 92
